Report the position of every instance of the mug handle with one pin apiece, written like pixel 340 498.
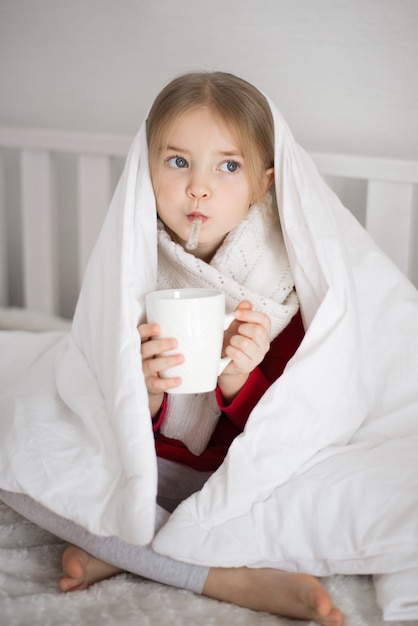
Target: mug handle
pixel 229 318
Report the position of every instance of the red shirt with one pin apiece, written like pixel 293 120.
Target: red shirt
pixel 234 415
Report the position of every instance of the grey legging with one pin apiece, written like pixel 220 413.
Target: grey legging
pixel 175 483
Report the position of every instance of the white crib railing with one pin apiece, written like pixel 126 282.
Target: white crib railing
pixel 391 201
pixel 388 191
pixel 38 205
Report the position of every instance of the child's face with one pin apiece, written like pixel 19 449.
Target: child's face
pixel 201 173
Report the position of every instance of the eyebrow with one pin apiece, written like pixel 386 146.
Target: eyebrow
pixel 224 153
pixel 174 149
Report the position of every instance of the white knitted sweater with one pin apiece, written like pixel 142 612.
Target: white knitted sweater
pixel 242 268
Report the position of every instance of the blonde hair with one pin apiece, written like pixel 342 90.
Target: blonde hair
pixel 236 103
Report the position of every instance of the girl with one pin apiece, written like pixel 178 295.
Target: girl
pixel 211 157
pixel 254 471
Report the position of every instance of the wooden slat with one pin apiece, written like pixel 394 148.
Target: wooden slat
pixel 38 234
pixel 3 241
pixel 65 141
pixel 389 220
pixel 94 188
pixel 389 202
pixel 364 167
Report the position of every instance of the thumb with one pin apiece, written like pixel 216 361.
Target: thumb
pixel 245 305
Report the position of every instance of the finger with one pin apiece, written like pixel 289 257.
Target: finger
pixel 243 346
pixel 255 317
pixel 147 331
pixel 253 349
pixel 244 305
pixel 254 332
pixel 156 384
pixel 154 347
pixel 154 370
pixel 241 362
pixel 156 367
pixel 234 325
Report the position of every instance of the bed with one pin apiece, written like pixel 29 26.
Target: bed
pixel 55 188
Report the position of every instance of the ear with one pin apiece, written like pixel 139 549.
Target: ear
pixel 268 178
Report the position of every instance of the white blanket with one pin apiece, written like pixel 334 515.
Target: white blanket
pixel 325 476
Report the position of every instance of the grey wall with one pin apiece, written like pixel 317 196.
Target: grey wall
pixel 343 72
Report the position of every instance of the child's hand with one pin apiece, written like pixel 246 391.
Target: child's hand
pixel 247 342
pixel 153 362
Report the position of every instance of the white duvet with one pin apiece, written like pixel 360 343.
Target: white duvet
pixel 325 476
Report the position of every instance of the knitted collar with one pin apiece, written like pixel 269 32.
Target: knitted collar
pixel 252 265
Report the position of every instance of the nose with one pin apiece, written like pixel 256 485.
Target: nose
pixel 197 194
pixel 198 188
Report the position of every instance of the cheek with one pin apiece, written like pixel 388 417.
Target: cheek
pixel 166 201
pixel 166 188
pixel 247 198
pixel 161 194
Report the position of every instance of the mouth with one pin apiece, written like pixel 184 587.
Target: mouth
pixel 192 216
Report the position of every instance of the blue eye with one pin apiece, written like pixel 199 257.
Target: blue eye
pixel 230 166
pixel 177 161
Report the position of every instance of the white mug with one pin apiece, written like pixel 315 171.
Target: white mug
pixel 197 319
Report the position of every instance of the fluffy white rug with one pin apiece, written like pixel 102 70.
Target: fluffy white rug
pixel 29 596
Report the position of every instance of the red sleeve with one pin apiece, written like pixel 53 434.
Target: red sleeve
pixel 159 418
pixel 239 409
pixel 282 349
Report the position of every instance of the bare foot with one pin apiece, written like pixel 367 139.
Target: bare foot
pixel 295 595
pixel 80 570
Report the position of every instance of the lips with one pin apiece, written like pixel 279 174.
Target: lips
pixel 192 216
